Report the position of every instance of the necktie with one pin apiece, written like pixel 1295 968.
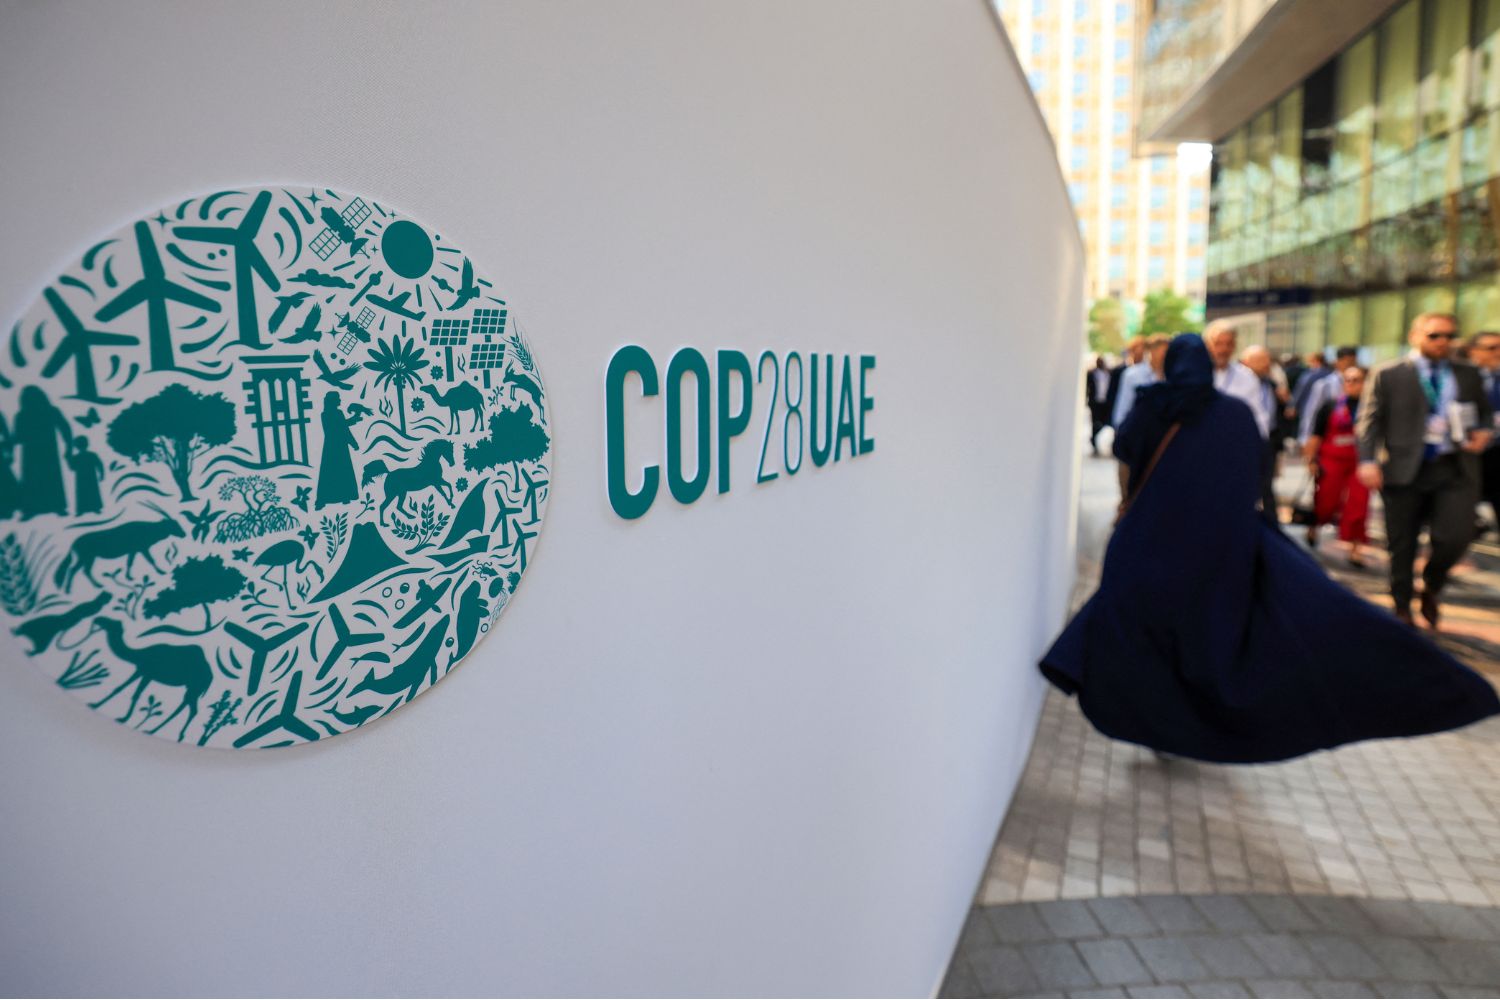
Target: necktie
pixel 1432 386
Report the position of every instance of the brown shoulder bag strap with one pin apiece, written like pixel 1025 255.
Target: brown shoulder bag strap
pixel 1150 467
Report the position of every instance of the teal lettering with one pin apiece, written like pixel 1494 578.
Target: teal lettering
pixel 731 424
pixel 821 452
pixel 687 360
pixel 630 358
pixel 846 414
pixel 866 404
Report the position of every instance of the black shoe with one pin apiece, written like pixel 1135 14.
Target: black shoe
pixel 1430 609
pixel 1404 614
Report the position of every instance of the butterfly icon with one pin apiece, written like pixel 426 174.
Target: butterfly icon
pixel 90 418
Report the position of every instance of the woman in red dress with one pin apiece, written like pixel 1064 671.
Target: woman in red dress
pixel 1334 457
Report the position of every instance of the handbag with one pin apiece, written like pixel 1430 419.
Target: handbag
pixel 1150 467
pixel 1303 511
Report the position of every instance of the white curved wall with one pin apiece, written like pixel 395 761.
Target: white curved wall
pixel 756 745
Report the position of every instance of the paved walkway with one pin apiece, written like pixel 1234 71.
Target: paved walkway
pixel 1372 870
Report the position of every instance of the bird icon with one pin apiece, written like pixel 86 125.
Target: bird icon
pixel 357 412
pixel 309 328
pixel 467 291
pixel 339 380
pixel 284 305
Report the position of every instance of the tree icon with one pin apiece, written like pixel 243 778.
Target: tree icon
pixel 196 582
pixel 513 438
pixel 174 427
pixel 263 514
pixel 400 364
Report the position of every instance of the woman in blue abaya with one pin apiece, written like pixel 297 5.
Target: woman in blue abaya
pixel 1215 637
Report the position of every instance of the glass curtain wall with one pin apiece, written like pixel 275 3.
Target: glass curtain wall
pixel 1371 190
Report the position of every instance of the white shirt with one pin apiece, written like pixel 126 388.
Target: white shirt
pixel 1135 377
pixel 1325 389
pixel 1240 382
pixel 1100 377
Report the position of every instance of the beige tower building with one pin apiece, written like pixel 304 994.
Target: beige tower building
pixel 1144 219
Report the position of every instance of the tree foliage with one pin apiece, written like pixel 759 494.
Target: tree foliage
pixel 173 427
pixel 1168 312
pixel 196 581
pixel 1107 326
pixel 262 514
pixel 398 363
pixel 513 438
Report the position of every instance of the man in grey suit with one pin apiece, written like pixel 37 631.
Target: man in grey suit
pixel 1423 422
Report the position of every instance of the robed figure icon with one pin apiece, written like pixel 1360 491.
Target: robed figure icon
pixel 88 472
pixel 336 482
pixel 42 433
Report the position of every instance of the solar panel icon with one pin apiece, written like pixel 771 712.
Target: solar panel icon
pixel 489 353
pixel 488 322
pixel 448 334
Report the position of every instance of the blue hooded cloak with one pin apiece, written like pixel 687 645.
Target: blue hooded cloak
pixel 1212 635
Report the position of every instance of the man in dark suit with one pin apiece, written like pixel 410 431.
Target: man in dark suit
pixel 1484 352
pixel 1096 391
pixel 1424 420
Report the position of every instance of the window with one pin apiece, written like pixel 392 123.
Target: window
pixel 1195 198
pixel 1122 13
pixel 1038 44
pixel 1116 267
pixel 1158 234
pixel 1078 158
pixel 1158 166
pixel 1196 234
pixel 1037 79
pixel 1156 268
pixel 1122 50
pixel 1080 10
pixel 1195 268
pixel 1119 196
pixel 1080 83
pixel 1117 231
pixel 1080 46
pixel 1077 192
pixel 1121 123
pixel 1158 196
pixel 1118 158
pixel 1122 85
pixel 1038 8
pixel 1080 121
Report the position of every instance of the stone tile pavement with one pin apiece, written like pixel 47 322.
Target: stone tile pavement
pixel 1371 870
pixel 1229 946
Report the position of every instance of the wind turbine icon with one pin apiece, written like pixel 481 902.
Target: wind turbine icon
pixel 248 261
pixel 532 486
pixel 502 516
pixel 520 547
pixel 76 344
pixel 154 290
pixel 261 647
pixel 285 718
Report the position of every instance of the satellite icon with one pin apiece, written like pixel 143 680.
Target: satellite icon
pixel 342 229
pixel 357 329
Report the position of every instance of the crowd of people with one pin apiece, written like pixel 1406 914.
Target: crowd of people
pixel 1213 635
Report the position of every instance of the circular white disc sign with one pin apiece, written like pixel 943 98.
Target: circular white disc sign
pixel 271 462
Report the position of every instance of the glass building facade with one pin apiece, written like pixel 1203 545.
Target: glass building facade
pixel 1367 193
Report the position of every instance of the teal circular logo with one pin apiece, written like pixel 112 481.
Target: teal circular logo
pixel 272 461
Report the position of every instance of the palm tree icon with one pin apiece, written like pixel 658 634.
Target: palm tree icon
pixel 400 364
pixel 248 261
